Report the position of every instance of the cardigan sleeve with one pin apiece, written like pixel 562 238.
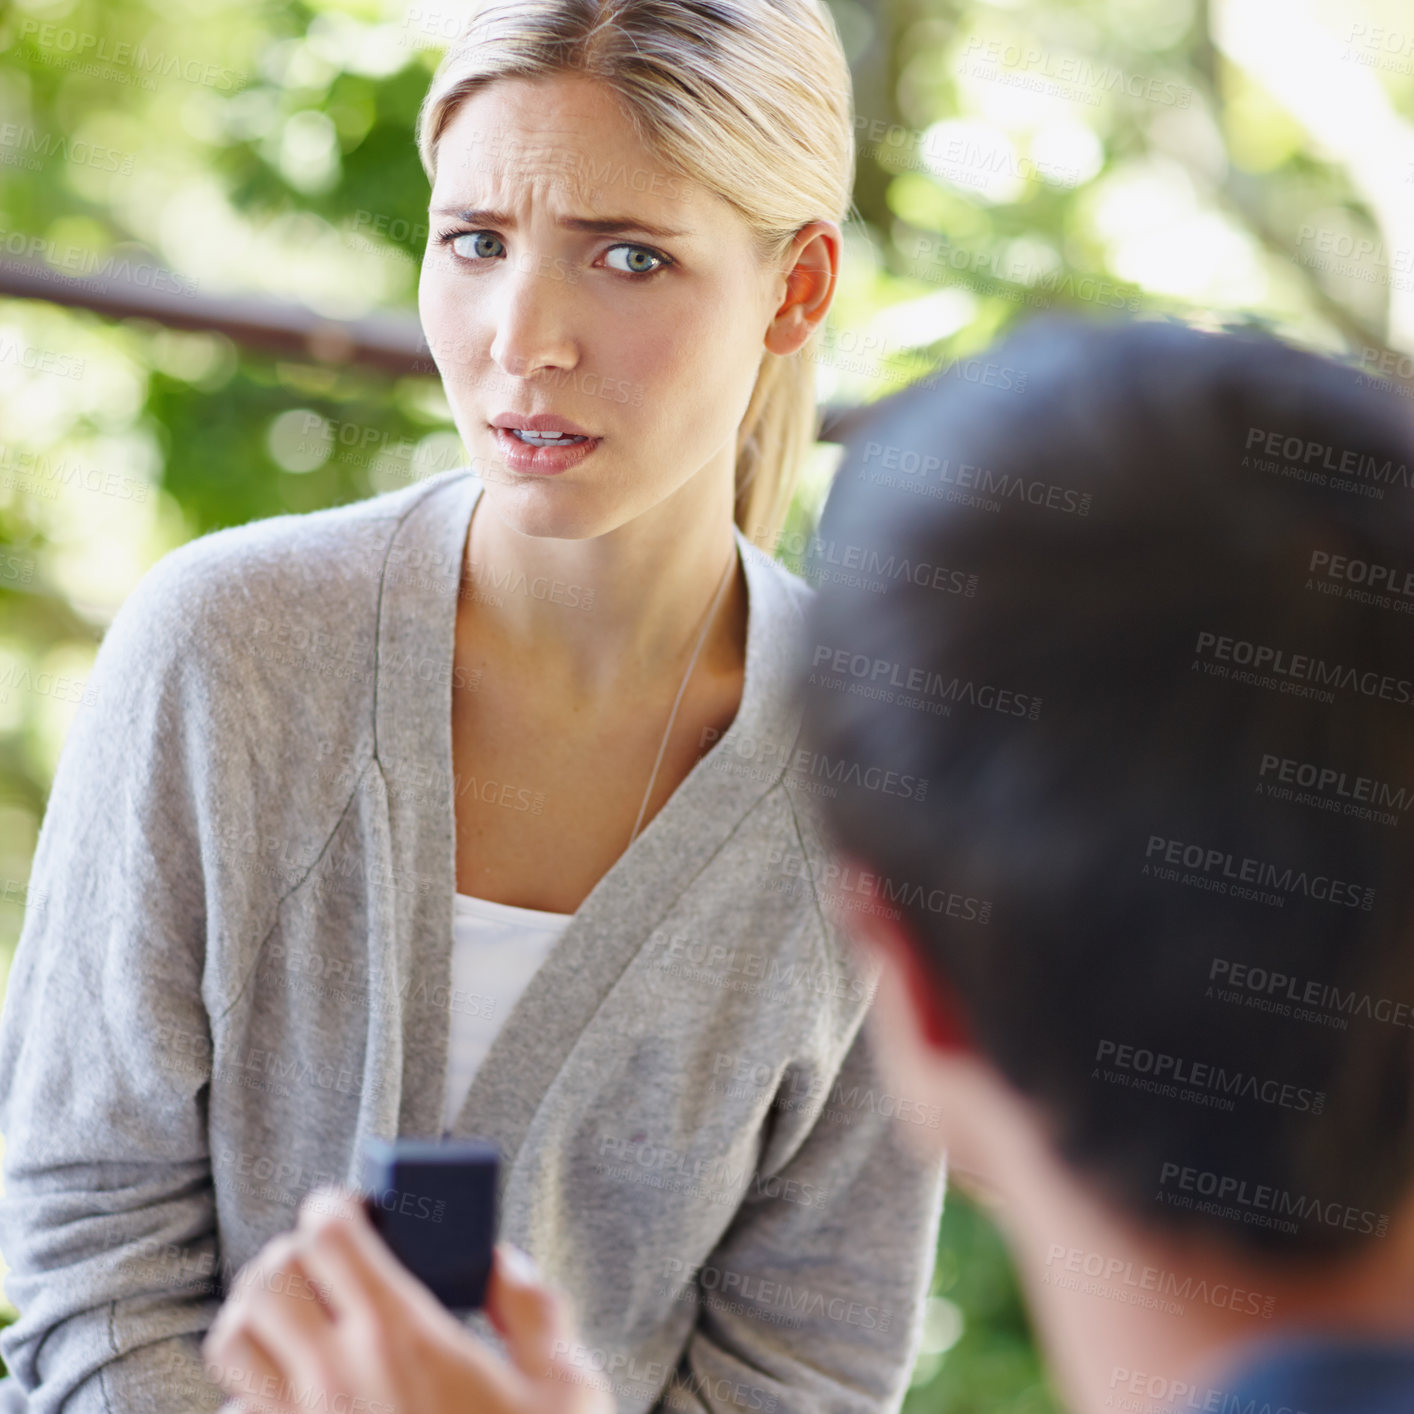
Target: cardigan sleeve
pixel 813 1298
pixel 107 1221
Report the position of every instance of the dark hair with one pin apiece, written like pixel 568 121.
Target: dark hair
pixel 1127 607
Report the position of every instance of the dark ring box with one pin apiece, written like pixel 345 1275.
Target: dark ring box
pixel 434 1202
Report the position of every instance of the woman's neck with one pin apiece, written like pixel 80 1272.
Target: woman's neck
pixel 613 612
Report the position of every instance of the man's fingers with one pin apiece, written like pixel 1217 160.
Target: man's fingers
pixel 275 1306
pixel 351 1262
pixel 530 1317
pixel 244 1369
pixel 379 1302
pixel 273 1255
pixel 291 1321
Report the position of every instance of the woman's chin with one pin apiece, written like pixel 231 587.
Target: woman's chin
pixel 545 507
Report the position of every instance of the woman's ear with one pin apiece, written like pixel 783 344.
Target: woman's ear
pixel 811 273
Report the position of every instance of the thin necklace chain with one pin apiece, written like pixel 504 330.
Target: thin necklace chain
pixel 682 687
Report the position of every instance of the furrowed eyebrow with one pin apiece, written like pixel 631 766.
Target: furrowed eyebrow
pixel 599 226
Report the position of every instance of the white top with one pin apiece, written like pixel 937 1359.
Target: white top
pixel 496 950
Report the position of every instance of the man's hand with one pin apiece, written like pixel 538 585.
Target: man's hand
pixel 325 1316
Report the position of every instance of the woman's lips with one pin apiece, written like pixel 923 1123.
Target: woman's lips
pixel 544 461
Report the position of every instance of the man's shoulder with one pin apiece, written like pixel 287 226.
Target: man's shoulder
pixel 1320 1374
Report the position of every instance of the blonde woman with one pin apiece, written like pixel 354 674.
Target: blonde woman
pixel 472 808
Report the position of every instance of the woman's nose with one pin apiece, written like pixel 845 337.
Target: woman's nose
pixel 532 314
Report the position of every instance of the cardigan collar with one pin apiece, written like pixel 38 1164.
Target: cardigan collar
pixel 413 735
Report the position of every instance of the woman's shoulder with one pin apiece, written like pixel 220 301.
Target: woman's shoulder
pixel 315 554
pixel 812 894
pixel 306 579
pixel 789 595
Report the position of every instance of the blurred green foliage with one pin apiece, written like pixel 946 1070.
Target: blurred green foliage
pixel 1100 156
pixel 979 1354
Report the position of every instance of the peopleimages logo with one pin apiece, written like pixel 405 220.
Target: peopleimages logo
pixel 1393 579
pixel 1260 1203
pixel 839 881
pixel 798 764
pixel 1275 990
pixel 1337 792
pixel 763 1292
pixel 1298 673
pixel 1117 1272
pixel 880 677
pixel 1328 781
pixel 1176 1072
pixel 1223 868
pixel 868 567
pixel 63 47
pixel 1171 1395
pixel 739 969
pixel 1318 456
pixel 881 458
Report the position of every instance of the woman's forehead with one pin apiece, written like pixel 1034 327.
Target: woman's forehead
pixel 556 112
pixel 487 165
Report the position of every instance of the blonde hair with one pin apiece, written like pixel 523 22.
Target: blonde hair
pixel 748 99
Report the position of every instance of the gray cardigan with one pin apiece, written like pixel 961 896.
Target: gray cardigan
pixel 236 966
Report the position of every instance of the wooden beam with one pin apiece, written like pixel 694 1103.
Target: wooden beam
pixel 390 343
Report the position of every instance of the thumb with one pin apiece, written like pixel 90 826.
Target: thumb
pixel 531 1317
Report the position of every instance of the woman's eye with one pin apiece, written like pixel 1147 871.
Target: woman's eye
pixel 642 251
pixel 476 247
pixel 466 244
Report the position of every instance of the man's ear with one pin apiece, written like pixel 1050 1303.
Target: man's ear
pixel 889 941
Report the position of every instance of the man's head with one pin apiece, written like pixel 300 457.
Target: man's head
pixel 1138 607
